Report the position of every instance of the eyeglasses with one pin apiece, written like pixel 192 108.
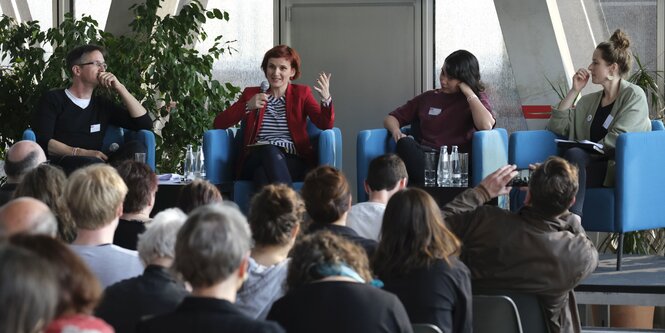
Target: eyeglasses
pixel 96 63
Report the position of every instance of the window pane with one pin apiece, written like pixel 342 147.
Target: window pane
pixel 474 26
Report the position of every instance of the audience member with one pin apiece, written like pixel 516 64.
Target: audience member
pixel 417 261
pixel 156 291
pixel 28 291
pixel 327 197
pixel 94 195
pixel 78 288
pixel 21 157
pixel 198 193
pixel 141 184
pixel 541 250
pixel 70 124
pixel 27 215
pixel 46 183
pixel 275 215
pixel 386 175
pixel 211 253
pixel 449 115
pixel 601 116
pixel 328 291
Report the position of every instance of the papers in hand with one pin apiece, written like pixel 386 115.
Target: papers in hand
pixel 584 144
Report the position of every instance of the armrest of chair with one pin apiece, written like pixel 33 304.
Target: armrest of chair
pixel 218 151
pixel 527 147
pixel 330 148
pixel 370 144
pixel 640 165
pixel 490 152
pixel 148 138
pixel 29 135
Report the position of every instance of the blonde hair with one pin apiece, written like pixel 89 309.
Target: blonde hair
pixel 93 195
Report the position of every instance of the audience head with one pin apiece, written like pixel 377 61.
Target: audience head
pixel 553 186
pixel 28 291
pixel 141 184
pixel 46 183
pixel 198 193
pixel 27 215
pixel 286 52
pixel 413 234
pixel 94 195
pixel 616 51
pixel 157 244
pixel 462 65
pixel 213 246
pixel 318 255
pixel 385 172
pixel 77 55
pixel 275 215
pixel 327 194
pixel 79 289
pixel 22 157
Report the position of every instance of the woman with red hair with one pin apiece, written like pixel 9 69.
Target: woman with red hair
pixel 276 147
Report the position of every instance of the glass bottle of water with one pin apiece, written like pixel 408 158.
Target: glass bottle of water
pixel 443 169
pixel 200 164
pixel 455 167
pixel 188 167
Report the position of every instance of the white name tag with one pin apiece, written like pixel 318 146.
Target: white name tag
pixel 608 121
pixel 95 128
pixel 434 111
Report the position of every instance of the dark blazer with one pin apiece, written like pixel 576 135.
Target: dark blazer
pixel 125 303
pixel 369 245
pixel 300 104
pixel 202 314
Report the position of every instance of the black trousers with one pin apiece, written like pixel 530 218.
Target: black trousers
pixel 413 155
pixel 126 151
pixel 269 164
pixel 591 173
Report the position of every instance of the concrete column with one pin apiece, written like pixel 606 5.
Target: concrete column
pixel 537 48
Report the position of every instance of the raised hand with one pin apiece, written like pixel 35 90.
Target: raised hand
pixel 580 79
pixel 257 101
pixel 323 85
pixel 495 183
pixel 108 80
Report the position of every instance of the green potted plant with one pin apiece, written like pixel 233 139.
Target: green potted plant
pixel 155 61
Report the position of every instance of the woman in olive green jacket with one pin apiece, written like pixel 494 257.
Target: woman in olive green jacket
pixel 601 116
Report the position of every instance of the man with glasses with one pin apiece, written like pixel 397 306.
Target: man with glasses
pixel 70 123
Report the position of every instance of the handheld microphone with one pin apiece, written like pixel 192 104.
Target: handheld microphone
pixel 264 86
pixel 113 147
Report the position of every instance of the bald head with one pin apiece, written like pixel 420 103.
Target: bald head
pixel 27 215
pixel 22 157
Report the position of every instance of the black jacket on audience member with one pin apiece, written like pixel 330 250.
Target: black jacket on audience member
pixel 125 303
pixel 340 306
pixel 439 295
pixel 127 233
pixel 368 244
pixel 203 314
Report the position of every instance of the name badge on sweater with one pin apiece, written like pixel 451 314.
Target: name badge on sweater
pixel 608 121
pixel 95 128
pixel 434 111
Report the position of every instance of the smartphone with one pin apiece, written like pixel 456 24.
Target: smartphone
pixel 522 178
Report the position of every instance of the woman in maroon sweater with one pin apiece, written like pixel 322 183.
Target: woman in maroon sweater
pixel 275 144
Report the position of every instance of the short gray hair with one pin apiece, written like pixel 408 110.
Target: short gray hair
pixel 212 244
pixel 158 241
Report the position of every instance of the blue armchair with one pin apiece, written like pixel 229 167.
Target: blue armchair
pixel 634 203
pixel 118 135
pixel 220 148
pixel 490 151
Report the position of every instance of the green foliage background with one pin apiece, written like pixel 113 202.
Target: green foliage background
pixel 155 61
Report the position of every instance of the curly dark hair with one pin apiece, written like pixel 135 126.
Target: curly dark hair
pixel 46 183
pixel 141 184
pixel 413 234
pixel 274 213
pixel 463 65
pixel 324 247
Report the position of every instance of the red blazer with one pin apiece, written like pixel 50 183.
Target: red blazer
pixel 300 104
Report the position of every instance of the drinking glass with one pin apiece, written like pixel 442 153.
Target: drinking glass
pixel 430 168
pixel 139 157
pixel 464 168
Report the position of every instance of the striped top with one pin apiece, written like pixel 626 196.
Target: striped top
pixel 274 128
